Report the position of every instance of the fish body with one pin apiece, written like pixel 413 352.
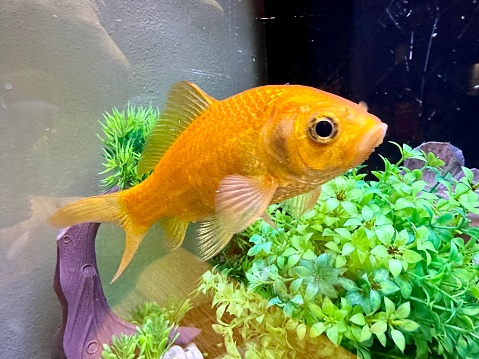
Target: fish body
pixel 221 163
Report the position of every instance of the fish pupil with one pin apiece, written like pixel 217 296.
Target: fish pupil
pixel 324 128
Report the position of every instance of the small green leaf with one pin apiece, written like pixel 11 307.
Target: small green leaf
pixel 340 262
pixel 468 173
pixel 389 305
pixel 349 207
pixel 365 333
pixel 343 232
pixel 385 234
pixel 358 319
pixel 317 329
pixel 411 256
pixel 380 275
pixel 332 246
pixel 293 259
pixel 395 267
pixel 295 285
pixel 303 271
pixel 408 325
pixel 379 327
pixel 403 203
pixel 375 299
pixel 331 204
pixel 347 284
pixel 444 219
pixel 352 222
pixel 356 332
pixel 348 248
pixel 311 289
pixel 328 307
pixel 280 287
pixel 380 251
pixel 297 299
pixel 404 285
pixel 288 309
pixel 398 339
pixel 301 331
pixel 316 310
pixel 471 311
pixel 274 301
pixel 403 311
pixel 462 347
pixel 333 334
pixel 382 338
pixel 388 287
pixel 367 213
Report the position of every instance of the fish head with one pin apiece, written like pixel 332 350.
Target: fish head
pixel 323 135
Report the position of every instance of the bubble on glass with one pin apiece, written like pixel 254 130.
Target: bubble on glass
pixel 8 85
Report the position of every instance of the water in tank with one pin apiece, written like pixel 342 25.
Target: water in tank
pixel 273 179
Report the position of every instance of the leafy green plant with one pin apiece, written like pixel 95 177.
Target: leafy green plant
pixel 265 331
pixel 151 339
pixel 386 267
pixel 174 309
pixel 123 138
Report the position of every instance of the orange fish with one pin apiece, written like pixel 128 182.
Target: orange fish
pixel 221 163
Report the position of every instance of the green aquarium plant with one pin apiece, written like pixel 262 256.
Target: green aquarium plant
pixel 124 134
pixel 386 267
pixel 151 341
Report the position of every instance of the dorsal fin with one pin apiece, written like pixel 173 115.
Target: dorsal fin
pixel 185 103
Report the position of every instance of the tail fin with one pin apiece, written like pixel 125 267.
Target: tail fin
pixel 104 208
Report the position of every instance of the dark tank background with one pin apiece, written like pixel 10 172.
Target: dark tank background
pixel 415 63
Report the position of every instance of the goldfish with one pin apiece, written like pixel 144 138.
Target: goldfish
pixel 221 163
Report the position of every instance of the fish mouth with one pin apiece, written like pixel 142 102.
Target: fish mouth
pixel 372 139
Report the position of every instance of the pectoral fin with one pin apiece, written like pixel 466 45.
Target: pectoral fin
pixel 299 205
pixel 212 238
pixel 239 202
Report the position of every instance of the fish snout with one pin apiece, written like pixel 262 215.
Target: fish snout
pixel 372 138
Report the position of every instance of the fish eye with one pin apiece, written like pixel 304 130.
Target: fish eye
pixel 322 129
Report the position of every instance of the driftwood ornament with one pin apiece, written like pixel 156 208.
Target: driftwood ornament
pixel 88 322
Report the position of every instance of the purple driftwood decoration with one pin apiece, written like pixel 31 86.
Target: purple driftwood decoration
pixel 88 321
